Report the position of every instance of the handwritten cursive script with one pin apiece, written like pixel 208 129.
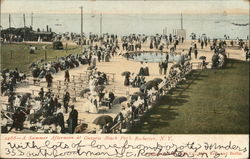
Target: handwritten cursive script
pixel 124 149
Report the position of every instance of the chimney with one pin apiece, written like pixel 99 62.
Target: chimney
pixel 47 28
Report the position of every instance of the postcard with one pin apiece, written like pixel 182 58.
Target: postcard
pixel 124 79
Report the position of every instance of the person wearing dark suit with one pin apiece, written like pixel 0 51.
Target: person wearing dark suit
pixel 60 120
pixel 126 81
pixel 141 71
pixel 189 52
pixel 167 56
pixel 160 67
pixel 72 120
pixel 99 55
pixel 146 70
pixel 18 120
pixel 195 53
pixel 165 66
pixel 41 94
pixel 66 76
pixel 49 79
pixel 66 99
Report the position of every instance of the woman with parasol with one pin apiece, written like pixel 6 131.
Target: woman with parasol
pixel 203 64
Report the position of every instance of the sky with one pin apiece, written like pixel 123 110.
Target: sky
pixel 126 7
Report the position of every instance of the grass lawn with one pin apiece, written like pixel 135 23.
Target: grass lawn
pixel 209 102
pixel 21 58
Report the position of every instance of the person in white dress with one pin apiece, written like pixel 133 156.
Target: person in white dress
pixel 92 85
pixel 152 94
pixel 163 83
pixel 17 101
pixel 92 104
pixel 139 102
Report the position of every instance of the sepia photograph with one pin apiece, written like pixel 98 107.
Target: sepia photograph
pixel 124 67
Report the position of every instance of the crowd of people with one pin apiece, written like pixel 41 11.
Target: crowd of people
pixel 9 79
pixel 48 109
pixel 138 103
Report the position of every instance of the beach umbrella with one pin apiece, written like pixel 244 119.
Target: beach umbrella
pixel 140 94
pixel 119 100
pixel 52 70
pixel 90 67
pixel 151 84
pixel 99 88
pixel 35 72
pixel 158 80
pixel 42 74
pixel 202 57
pixel 86 90
pixel 125 73
pixel 103 120
pixel 148 85
pixel 134 97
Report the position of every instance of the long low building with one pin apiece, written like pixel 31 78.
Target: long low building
pixel 26 34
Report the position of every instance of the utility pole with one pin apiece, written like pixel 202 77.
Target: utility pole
pixel 31 23
pixel 45 55
pixel 165 31
pixel 101 24
pixel 81 26
pixel 9 27
pixel 181 22
pixel 24 25
pixel 9 20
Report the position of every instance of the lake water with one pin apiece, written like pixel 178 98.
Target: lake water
pixel 215 26
pixel 153 57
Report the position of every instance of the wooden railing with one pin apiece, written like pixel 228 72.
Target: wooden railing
pixel 141 110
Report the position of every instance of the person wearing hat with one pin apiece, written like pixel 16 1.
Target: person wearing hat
pixel 73 119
